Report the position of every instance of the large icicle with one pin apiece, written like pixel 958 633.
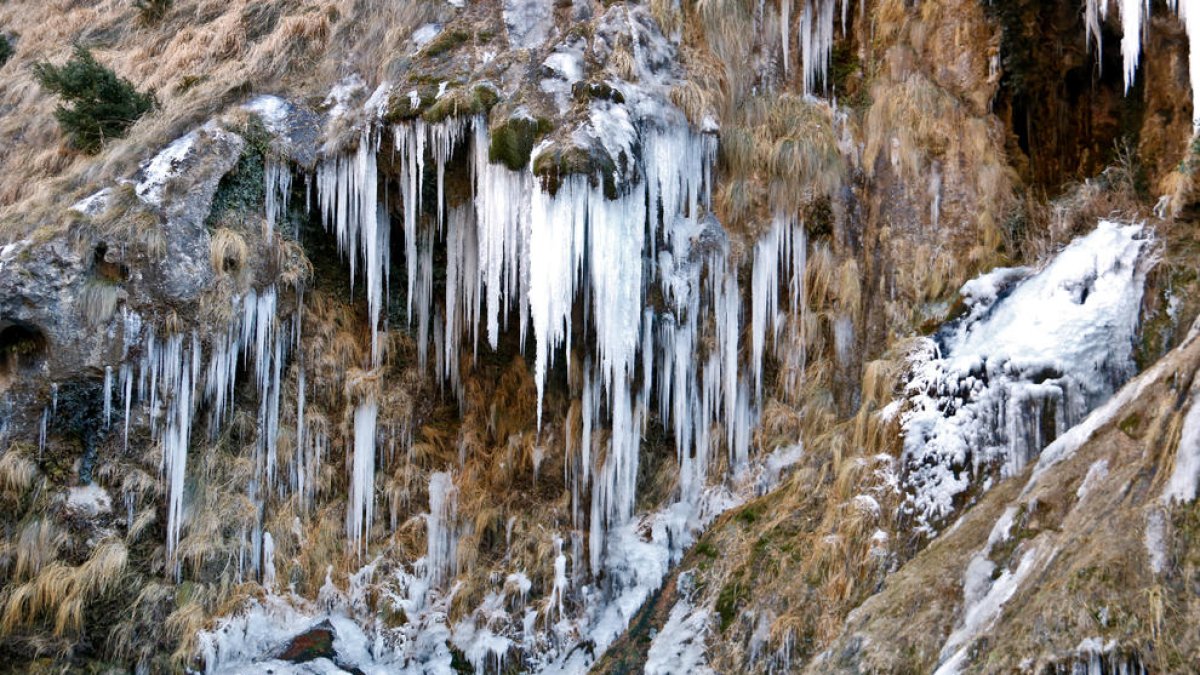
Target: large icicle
pixel 347 191
pixel 360 503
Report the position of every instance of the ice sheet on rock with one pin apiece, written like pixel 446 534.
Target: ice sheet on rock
pixel 1186 473
pixel 89 500
pixel 679 647
pixel 272 110
pixel 155 173
pixel 425 34
pixel 984 597
pixel 1050 346
pixel 340 98
pixel 94 204
pixel 564 67
pixel 529 22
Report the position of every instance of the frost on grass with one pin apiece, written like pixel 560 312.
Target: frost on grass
pixel 1033 355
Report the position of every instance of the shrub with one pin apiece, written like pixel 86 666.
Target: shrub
pixel 102 105
pixel 152 11
pixel 6 49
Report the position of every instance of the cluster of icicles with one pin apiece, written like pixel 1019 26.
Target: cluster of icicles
pixel 173 380
pixel 520 253
pixel 1135 22
pixel 516 254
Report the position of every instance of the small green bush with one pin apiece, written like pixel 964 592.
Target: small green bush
pixel 152 11
pixel 6 49
pixel 101 106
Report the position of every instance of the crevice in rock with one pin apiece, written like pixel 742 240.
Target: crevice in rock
pixel 23 347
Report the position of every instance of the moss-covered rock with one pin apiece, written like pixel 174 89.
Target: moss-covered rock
pixel 462 102
pixel 513 140
pixel 446 41
pixel 585 91
pixel 556 164
pixel 403 106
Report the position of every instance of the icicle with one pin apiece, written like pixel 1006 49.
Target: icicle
pixel 410 144
pixel 42 426
pixel 1135 20
pixel 268 565
pixel 179 380
pixel 127 397
pixel 764 294
pixel 360 503
pixel 558 591
pixel 441 537
pixel 108 394
pixel 347 189
pixel 501 212
pixel 785 20
pixel 557 227
pixel 278 187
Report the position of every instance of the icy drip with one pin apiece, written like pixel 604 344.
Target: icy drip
pixel 171 376
pixel 1021 367
pixel 175 371
pixel 1135 20
pixel 108 396
pixel 347 191
pixel 360 503
pixel 501 211
pixel 441 531
pixel 815 34
pixel 277 176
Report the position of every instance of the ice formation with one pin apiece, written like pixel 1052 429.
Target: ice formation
pixel 1033 355
pixel 1186 474
pixel 679 646
pixel 519 257
pixel 1135 23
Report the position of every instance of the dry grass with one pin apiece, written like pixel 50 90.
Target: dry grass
pixel 202 57
pixel 59 592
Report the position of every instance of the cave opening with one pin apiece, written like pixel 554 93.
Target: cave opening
pixel 1064 103
pixel 22 346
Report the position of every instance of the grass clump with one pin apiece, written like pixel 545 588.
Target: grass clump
pixel 152 11
pixel 98 105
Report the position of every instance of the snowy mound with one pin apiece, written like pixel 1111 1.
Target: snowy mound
pixel 1033 355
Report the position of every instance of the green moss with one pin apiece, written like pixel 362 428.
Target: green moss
pixel 401 107
pixel 555 165
pixel 444 42
pixel 462 102
pixel 241 190
pixel 512 141
pixel 706 549
pixel 729 600
pixel 584 91
pixel 750 514
pixel 1131 425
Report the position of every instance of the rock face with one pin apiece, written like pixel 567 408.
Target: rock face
pixel 517 336
pixel 181 181
pixel 315 643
